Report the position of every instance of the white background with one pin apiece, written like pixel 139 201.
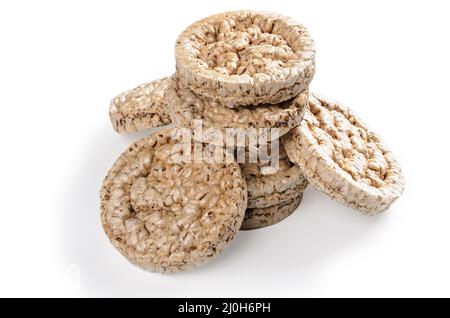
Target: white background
pixel 62 61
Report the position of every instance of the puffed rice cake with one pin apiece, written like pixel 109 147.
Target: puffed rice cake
pixel 165 216
pixel 340 156
pixel 257 218
pixel 240 58
pixel 185 106
pixel 268 185
pixel 140 108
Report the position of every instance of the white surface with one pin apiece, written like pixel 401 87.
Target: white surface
pixel 60 64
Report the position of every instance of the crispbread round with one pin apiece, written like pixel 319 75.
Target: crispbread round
pixel 267 187
pixel 340 156
pixel 140 108
pixel 257 218
pixel 242 58
pixel 166 216
pixel 185 106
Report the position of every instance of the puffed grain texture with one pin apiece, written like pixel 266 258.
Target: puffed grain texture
pixel 340 156
pixel 257 218
pixel 243 58
pixel 165 216
pixel 140 108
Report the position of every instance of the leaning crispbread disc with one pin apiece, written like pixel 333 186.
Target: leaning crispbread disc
pixel 256 218
pixel 140 108
pixel 268 185
pixel 167 216
pixel 185 107
pixel 340 156
pixel 246 58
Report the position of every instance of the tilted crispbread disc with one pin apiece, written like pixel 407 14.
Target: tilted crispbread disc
pixel 140 108
pixel 257 218
pixel 167 216
pixel 246 58
pixel 267 186
pixel 340 156
pixel 185 106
